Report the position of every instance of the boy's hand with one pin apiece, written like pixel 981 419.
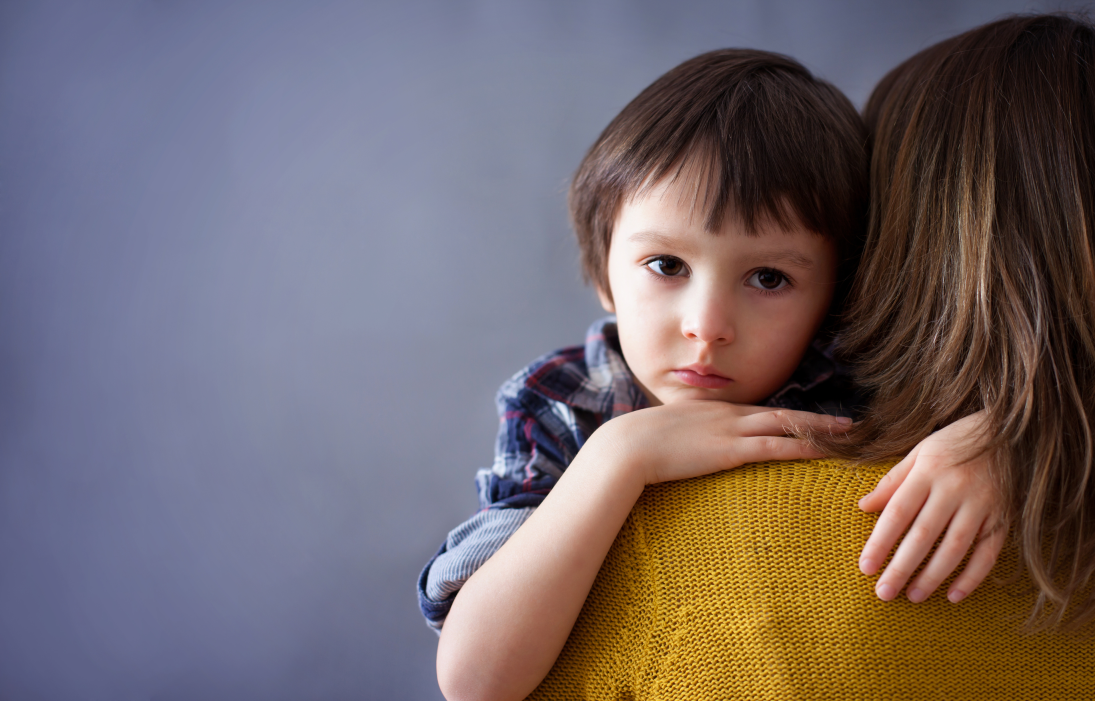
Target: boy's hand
pixel 512 617
pixel 692 438
pixel 932 487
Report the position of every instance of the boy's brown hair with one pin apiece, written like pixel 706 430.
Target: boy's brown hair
pixel 977 287
pixel 762 136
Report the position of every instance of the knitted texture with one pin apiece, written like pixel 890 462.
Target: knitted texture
pixel 744 585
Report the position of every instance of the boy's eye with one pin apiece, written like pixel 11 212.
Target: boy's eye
pixel 768 280
pixel 667 266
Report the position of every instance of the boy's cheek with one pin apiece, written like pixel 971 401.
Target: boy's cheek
pixel 775 358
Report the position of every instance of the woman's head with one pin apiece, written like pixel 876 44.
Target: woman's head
pixel 977 284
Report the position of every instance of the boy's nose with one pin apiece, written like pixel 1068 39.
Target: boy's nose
pixel 709 321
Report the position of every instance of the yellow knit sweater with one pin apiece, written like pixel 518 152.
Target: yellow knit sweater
pixel 743 585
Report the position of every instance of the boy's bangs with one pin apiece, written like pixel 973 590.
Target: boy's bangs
pixel 759 155
pixel 714 190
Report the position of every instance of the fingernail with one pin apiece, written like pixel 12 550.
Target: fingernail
pixel 862 499
pixel 885 592
pixel 843 420
pixel 915 596
pixel 867 566
pixel 955 596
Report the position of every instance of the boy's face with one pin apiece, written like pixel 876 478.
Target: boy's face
pixel 724 316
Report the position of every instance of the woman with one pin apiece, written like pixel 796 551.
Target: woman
pixel 983 210
pixel 975 298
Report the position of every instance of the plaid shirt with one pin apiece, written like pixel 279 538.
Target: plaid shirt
pixel 547 412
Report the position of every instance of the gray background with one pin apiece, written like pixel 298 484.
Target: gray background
pixel 262 268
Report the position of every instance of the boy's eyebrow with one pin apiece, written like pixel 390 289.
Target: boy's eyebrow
pixel 655 238
pixel 787 256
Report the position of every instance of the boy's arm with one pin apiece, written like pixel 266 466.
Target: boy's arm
pixel 537 437
pixel 938 487
pixel 512 617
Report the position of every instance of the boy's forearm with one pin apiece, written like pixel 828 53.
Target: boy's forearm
pixel 512 617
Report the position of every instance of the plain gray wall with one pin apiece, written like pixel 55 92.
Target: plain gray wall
pixel 262 268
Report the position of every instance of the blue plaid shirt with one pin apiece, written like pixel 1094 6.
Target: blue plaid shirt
pixel 547 412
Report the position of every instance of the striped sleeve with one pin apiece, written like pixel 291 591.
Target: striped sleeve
pixel 465 550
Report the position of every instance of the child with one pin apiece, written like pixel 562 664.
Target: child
pixel 720 216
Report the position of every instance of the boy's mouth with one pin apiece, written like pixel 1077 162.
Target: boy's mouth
pixel 701 376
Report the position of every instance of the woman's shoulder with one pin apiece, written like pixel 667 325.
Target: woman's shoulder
pixel 745 583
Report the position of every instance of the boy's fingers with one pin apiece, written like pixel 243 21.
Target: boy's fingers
pixel 895 518
pixel 878 497
pixel 980 564
pixel 956 543
pixel 781 421
pixel 764 448
pixel 914 546
pixel 750 409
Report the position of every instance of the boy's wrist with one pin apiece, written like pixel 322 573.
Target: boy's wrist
pixel 613 448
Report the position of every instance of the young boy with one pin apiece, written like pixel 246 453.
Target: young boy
pixel 720 216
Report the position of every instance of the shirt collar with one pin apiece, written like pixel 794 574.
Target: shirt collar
pixel 611 389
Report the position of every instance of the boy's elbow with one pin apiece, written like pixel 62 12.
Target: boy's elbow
pixel 463 678
pixel 451 677
pixel 456 676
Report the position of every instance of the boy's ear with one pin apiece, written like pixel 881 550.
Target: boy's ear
pixel 606 300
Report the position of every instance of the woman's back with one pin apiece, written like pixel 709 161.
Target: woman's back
pixel 743 584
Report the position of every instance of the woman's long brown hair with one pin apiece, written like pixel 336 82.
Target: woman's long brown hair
pixel 976 290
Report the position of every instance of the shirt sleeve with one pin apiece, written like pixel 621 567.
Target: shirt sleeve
pixel 537 437
pixel 465 550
